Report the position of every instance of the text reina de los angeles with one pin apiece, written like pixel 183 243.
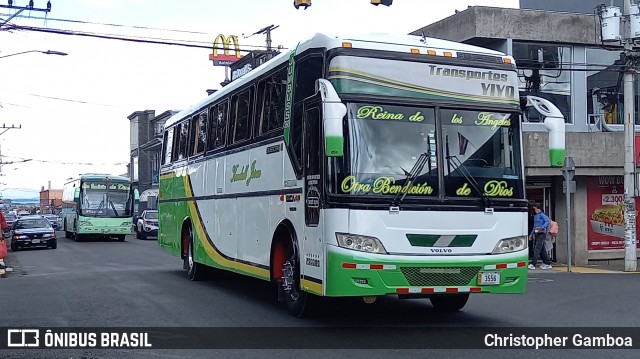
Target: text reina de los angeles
pixel 96 340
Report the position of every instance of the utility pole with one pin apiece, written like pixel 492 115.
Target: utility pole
pixel 20 9
pixel 630 256
pixel 611 20
pixel 267 31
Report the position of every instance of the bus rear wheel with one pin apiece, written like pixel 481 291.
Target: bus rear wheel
pixel 195 271
pixel 449 302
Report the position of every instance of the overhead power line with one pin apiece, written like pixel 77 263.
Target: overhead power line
pixel 108 24
pixel 20 159
pixel 156 41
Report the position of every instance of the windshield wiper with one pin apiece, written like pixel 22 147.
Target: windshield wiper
pixel 472 181
pixel 115 211
pixel 411 176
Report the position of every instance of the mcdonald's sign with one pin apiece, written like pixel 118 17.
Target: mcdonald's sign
pixel 226 58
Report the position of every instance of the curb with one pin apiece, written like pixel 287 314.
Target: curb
pixel 588 270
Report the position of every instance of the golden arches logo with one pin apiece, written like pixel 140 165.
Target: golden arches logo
pixel 226 58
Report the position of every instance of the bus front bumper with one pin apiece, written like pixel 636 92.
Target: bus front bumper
pixel 105 230
pixel 353 273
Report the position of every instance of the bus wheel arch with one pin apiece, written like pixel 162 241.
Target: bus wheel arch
pixel 185 236
pixel 195 270
pixel 286 270
pixel 283 237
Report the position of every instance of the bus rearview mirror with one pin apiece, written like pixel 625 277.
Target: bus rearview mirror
pixel 333 111
pixel 76 195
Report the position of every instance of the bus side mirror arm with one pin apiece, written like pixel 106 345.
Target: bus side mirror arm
pixel 554 123
pixel 333 111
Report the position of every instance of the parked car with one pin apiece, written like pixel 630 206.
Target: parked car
pixel 147 225
pixel 32 231
pixel 10 218
pixel 53 219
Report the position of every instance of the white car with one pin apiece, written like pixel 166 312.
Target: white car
pixel 147 224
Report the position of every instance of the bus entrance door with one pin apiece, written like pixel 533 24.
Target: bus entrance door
pixel 312 248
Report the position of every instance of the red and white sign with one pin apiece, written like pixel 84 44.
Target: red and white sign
pixel 605 213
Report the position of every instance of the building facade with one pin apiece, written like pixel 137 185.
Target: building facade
pixel 146 146
pixel 560 57
pixel 50 200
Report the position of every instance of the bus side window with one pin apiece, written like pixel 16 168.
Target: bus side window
pixel 198 135
pixel 174 147
pixel 271 96
pixel 241 105
pixel 212 127
pixel 181 141
pixel 221 125
pixel 168 146
pixel 308 70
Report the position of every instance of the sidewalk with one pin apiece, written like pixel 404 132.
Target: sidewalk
pixel 593 269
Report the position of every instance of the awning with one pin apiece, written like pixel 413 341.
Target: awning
pixel 151 192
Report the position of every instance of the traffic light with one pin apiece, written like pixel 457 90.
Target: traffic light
pixel 298 3
pixel 381 2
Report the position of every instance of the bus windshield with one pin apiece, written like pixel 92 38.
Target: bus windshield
pixel 101 199
pixel 482 146
pixel 481 153
pixel 385 143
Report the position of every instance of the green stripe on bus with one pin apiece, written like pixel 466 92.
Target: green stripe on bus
pixel 423 240
pixel 463 240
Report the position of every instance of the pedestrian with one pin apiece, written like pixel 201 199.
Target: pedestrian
pixel 551 238
pixel 541 224
pixel 3 244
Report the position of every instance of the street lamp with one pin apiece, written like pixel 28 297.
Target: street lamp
pixel 48 52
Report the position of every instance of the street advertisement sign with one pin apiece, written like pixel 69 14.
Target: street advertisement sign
pixel 224 43
pixel 605 212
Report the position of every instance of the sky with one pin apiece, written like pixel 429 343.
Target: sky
pixel 72 110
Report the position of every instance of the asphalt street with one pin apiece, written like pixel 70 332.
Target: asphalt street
pixel 136 284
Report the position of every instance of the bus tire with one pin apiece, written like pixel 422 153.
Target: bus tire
pixel 298 301
pixel 449 302
pixel 67 234
pixel 120 237
pixel 195 271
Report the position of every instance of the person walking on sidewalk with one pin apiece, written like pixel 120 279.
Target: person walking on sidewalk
pixel 538 235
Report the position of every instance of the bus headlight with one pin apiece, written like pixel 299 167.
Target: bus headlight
pixel 360 243
pixel 509 245
pixel 84 223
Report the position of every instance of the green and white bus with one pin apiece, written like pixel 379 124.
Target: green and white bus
pixel 355 167
pixel 98 205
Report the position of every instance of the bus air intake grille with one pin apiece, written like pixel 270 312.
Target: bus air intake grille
pixel 439 276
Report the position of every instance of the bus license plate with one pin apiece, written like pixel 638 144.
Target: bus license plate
pixel 489 278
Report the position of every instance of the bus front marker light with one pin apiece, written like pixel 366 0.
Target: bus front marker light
pixel 360 243
pixel 509 245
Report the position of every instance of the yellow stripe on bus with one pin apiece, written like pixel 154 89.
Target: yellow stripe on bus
pixel 310 286
pixel 212 252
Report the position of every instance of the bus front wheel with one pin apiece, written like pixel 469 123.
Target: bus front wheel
pixel 299 302
pixel 449 302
